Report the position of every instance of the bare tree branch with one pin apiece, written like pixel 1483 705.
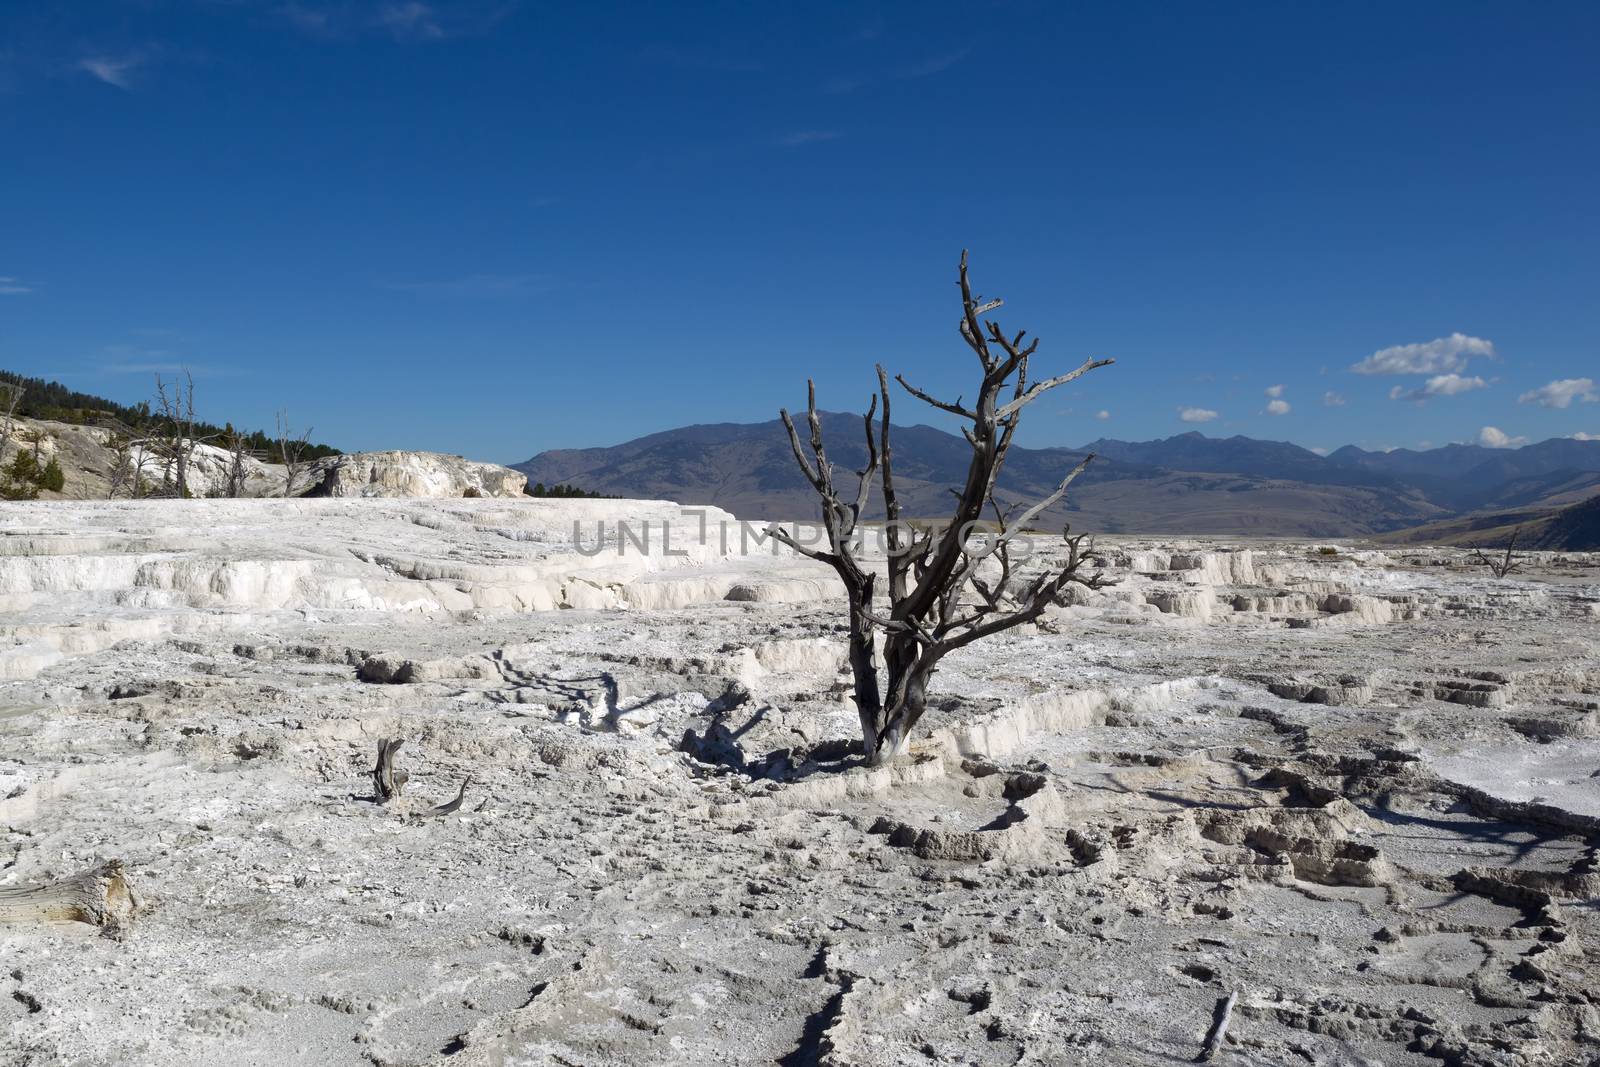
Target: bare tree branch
pixel 954 409
pixel 1043 387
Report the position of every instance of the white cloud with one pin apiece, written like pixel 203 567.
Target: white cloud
pixel 1196 414
pixel 1493 437
pixel 1581 436
pixel 1439 385
pixel 1452 384
pixel 1277 407
pixel 1561 393
pixel 1320 451
pixel 118 72
pixel 1330 399
pixel 1274 391
pixel 1427 357
pixel 11 287
pixel 1102 415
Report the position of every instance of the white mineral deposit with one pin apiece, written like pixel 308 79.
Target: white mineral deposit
pixel 1355 787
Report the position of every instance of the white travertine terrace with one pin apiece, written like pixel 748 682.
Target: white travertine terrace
pixel 1358 787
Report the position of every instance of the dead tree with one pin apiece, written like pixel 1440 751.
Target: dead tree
pixel 10 401
pixel 1505 564
pixel 292 449
pixel 238 465
pixel 128 457
pixel 121 464
pixel 945 590
pixel 132 460
pixel 177 409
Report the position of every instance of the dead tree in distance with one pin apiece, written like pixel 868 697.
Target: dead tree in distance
pixel 292 449
pixel 1505 564
pixel 177 409
pixel 238 465
pixel 10 401
pixel 940 597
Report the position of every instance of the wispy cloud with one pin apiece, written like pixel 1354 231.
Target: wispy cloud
pixel 1331 399
pixel 867 33
pixel 1561 393
pixel 113 70
pixel 925 68
pixel 724 61
pixel 308 20
pixel 1277 407
pixel 1494 437
pixel 402 20
pixel 146 368
pixel 477 284
pixel 1438 356
pixel 1273 390
pixel 11 287
pixel 932 65
pixel 1438 385
pixel 412 19
pixel 1196 414
pixel 1102 415
pixel 804 137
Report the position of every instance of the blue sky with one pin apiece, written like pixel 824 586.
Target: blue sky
pixel 499 227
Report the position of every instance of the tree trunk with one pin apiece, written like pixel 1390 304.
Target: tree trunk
pixel 864 667
pixel 909 671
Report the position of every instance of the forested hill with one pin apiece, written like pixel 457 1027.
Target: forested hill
pixel 54 402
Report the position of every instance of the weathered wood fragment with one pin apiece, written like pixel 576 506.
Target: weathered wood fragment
pixel 100 896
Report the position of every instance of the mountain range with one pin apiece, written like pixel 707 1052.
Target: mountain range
pixel 1190 483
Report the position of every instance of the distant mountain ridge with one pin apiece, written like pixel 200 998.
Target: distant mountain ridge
pixel 1189 483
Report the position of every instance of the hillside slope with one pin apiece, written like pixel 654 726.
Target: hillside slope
pixel 1575 528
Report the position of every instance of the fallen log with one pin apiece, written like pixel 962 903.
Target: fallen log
pixel 100 897
pixel 1219 1027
